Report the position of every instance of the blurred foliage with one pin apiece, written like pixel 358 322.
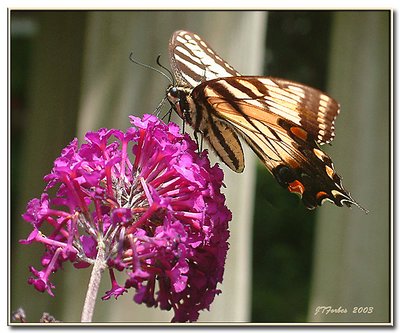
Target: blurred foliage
pixel 297 49
pixel 297 46
pixel 19 70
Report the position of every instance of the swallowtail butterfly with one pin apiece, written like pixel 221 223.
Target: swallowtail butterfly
pixel 281 120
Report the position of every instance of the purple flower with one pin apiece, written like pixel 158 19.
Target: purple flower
pixel 151 201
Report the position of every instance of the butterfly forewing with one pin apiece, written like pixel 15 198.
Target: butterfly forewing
pixel 193 61
pixel 281 120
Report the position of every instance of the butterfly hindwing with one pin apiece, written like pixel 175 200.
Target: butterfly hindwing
pixel 314 110
pixel 288 151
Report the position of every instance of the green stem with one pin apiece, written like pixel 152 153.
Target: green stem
pixel 93 288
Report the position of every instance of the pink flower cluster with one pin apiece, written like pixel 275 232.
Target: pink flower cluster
pixel 151 201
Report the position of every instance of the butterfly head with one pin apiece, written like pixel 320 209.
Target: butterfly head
pixel 181 102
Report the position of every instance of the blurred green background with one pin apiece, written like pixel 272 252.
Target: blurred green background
pixel 294 251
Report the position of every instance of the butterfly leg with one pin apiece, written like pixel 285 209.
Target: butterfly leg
pixel 196 137
pixel 157 110
pixel 199 141
pixel 183 126
pixel 167 114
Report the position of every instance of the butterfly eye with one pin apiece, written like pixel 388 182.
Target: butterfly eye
pixel 173 92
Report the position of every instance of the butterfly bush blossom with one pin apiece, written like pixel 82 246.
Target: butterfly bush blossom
pixel 150 201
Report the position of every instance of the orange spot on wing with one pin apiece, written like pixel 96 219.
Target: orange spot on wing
pixel 322 194
pixel 296 187
pixel 299 132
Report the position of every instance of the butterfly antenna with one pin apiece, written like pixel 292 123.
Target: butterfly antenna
pixel 166 69
pixel 131 58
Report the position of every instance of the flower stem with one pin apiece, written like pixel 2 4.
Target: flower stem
pixel 94 283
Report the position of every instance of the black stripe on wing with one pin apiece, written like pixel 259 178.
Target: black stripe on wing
pixel 225 143
pixel 221 137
